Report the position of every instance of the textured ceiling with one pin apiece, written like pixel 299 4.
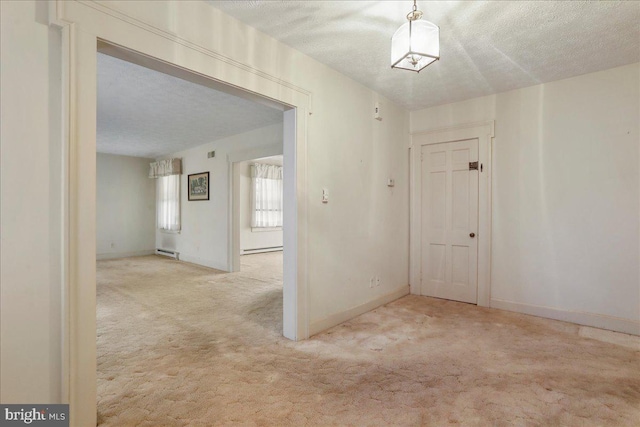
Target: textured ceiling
pixel 145 113
pixel 486 47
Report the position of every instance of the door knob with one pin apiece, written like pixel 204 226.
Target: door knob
pixel 472 235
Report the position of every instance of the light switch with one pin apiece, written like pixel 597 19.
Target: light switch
pixel 325 195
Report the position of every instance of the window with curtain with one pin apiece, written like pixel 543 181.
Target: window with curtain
pixel 168 204
pixel 267 201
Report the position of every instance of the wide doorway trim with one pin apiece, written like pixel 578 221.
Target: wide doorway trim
pixel 484 132
pixel 149 28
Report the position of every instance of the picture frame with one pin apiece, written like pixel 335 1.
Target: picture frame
pixel 198 186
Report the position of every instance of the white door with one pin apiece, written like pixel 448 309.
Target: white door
pixel 449 214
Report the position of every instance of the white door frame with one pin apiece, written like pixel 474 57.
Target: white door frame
pixel 484 132
pixel 124 24
pixel 233 159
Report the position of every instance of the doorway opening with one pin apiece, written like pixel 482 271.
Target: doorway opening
pixel 257 208
pixel 86 31
pixel 276 138
pixel 149 111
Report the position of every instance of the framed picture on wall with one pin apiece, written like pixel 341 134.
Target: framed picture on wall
pixel 198 186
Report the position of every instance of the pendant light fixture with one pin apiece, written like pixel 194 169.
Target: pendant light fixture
pixel 416 43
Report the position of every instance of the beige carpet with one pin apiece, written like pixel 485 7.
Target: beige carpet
pixel 183 345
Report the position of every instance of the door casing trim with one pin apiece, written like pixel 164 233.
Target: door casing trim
pixel 484 133
pixel 84 24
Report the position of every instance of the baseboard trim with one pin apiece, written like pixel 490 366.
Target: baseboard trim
pixel 601 321
pixel 338 318
pixel 115 255
pixel 202 262
pixel 261 250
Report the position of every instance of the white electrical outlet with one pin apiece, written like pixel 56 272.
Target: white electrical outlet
pixel 325 195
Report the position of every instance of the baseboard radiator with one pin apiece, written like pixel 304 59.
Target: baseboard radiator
pixel 167 253
pixel 260 250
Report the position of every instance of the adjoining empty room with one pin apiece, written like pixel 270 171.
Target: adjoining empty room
pixel 173 159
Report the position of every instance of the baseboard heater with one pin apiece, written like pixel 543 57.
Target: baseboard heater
pixel 260 250
pixel 167 253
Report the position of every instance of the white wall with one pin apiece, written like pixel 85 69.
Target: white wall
pixel 363 231
pixel 126 207
pixel 474 110
pixel 565 240
pixel 203 238
pixel 31 183
pixel 254 239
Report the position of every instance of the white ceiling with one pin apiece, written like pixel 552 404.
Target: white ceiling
pixel 145 113
pixel 486 47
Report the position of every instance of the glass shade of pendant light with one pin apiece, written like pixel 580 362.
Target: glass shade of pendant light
pixel 416 43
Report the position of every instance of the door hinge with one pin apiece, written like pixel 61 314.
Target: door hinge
pixel 473 166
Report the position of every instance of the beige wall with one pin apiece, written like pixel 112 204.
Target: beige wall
pixel 565 240
pixel 126 207
pixel 31 182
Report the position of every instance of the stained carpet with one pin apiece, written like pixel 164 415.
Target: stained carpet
pixel 182 345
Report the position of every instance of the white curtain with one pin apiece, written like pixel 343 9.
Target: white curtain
pixel 267 195
pixel 165 167
pixel 169 203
